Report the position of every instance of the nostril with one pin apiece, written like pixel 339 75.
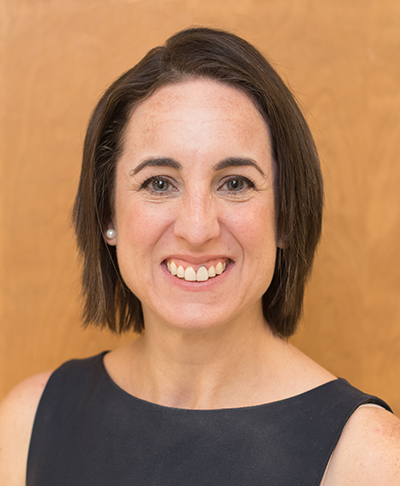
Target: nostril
pixel 197 223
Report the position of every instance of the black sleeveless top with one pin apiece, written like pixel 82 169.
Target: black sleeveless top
pixel 88 431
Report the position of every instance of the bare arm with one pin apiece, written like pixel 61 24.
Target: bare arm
pixel 368 451
pixel 17 414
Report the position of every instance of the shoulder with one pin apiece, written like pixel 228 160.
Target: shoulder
pixel 368 451
pixel 17 414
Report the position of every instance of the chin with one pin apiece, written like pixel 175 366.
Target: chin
pixel 191 318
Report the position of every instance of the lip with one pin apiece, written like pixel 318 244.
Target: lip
pixel 196 263
pixel 196 286
pixel 198 260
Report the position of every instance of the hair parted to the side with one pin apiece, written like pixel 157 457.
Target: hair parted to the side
pixel 222 56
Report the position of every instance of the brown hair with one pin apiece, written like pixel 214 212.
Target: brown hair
pixel 219 55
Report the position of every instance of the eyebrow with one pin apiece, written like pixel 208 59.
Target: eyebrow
pixel 173 164
pixel 157 162
pixel 237 162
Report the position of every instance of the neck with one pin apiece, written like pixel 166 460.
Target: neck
pixel 208 369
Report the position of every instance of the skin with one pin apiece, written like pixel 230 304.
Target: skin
pixel 176 200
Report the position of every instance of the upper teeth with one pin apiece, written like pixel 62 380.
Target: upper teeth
pixel 190 274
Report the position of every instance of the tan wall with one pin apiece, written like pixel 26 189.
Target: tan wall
pixel 342 60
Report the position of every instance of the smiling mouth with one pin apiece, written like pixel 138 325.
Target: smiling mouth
pixel 191 275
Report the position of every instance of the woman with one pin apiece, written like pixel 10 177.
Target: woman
pixel 197 215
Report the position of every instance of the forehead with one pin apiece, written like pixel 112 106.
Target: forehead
pixel 193 106
pixel 196 94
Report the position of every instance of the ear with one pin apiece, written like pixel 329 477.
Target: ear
pixel 110 235
pixel 281 242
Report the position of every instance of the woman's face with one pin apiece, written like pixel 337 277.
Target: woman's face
pixel 194 196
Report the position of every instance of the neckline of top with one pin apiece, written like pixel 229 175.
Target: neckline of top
pixel 142 401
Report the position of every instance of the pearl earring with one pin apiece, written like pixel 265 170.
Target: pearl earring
pixel 111 234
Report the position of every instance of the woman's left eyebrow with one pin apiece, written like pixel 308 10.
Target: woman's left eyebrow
pixel 237 162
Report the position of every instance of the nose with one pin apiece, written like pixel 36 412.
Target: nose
pixel 197 219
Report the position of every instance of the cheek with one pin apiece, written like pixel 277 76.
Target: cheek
pixel 140 226
pixel 254 229
pixel 139 231
pixel 254 226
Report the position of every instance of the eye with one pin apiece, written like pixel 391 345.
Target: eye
pixel 158 185
pixel 237 184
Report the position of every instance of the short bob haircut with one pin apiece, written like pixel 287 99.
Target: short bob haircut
pixel 226 58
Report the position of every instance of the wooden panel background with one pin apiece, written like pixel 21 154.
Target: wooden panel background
pixel 342 60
